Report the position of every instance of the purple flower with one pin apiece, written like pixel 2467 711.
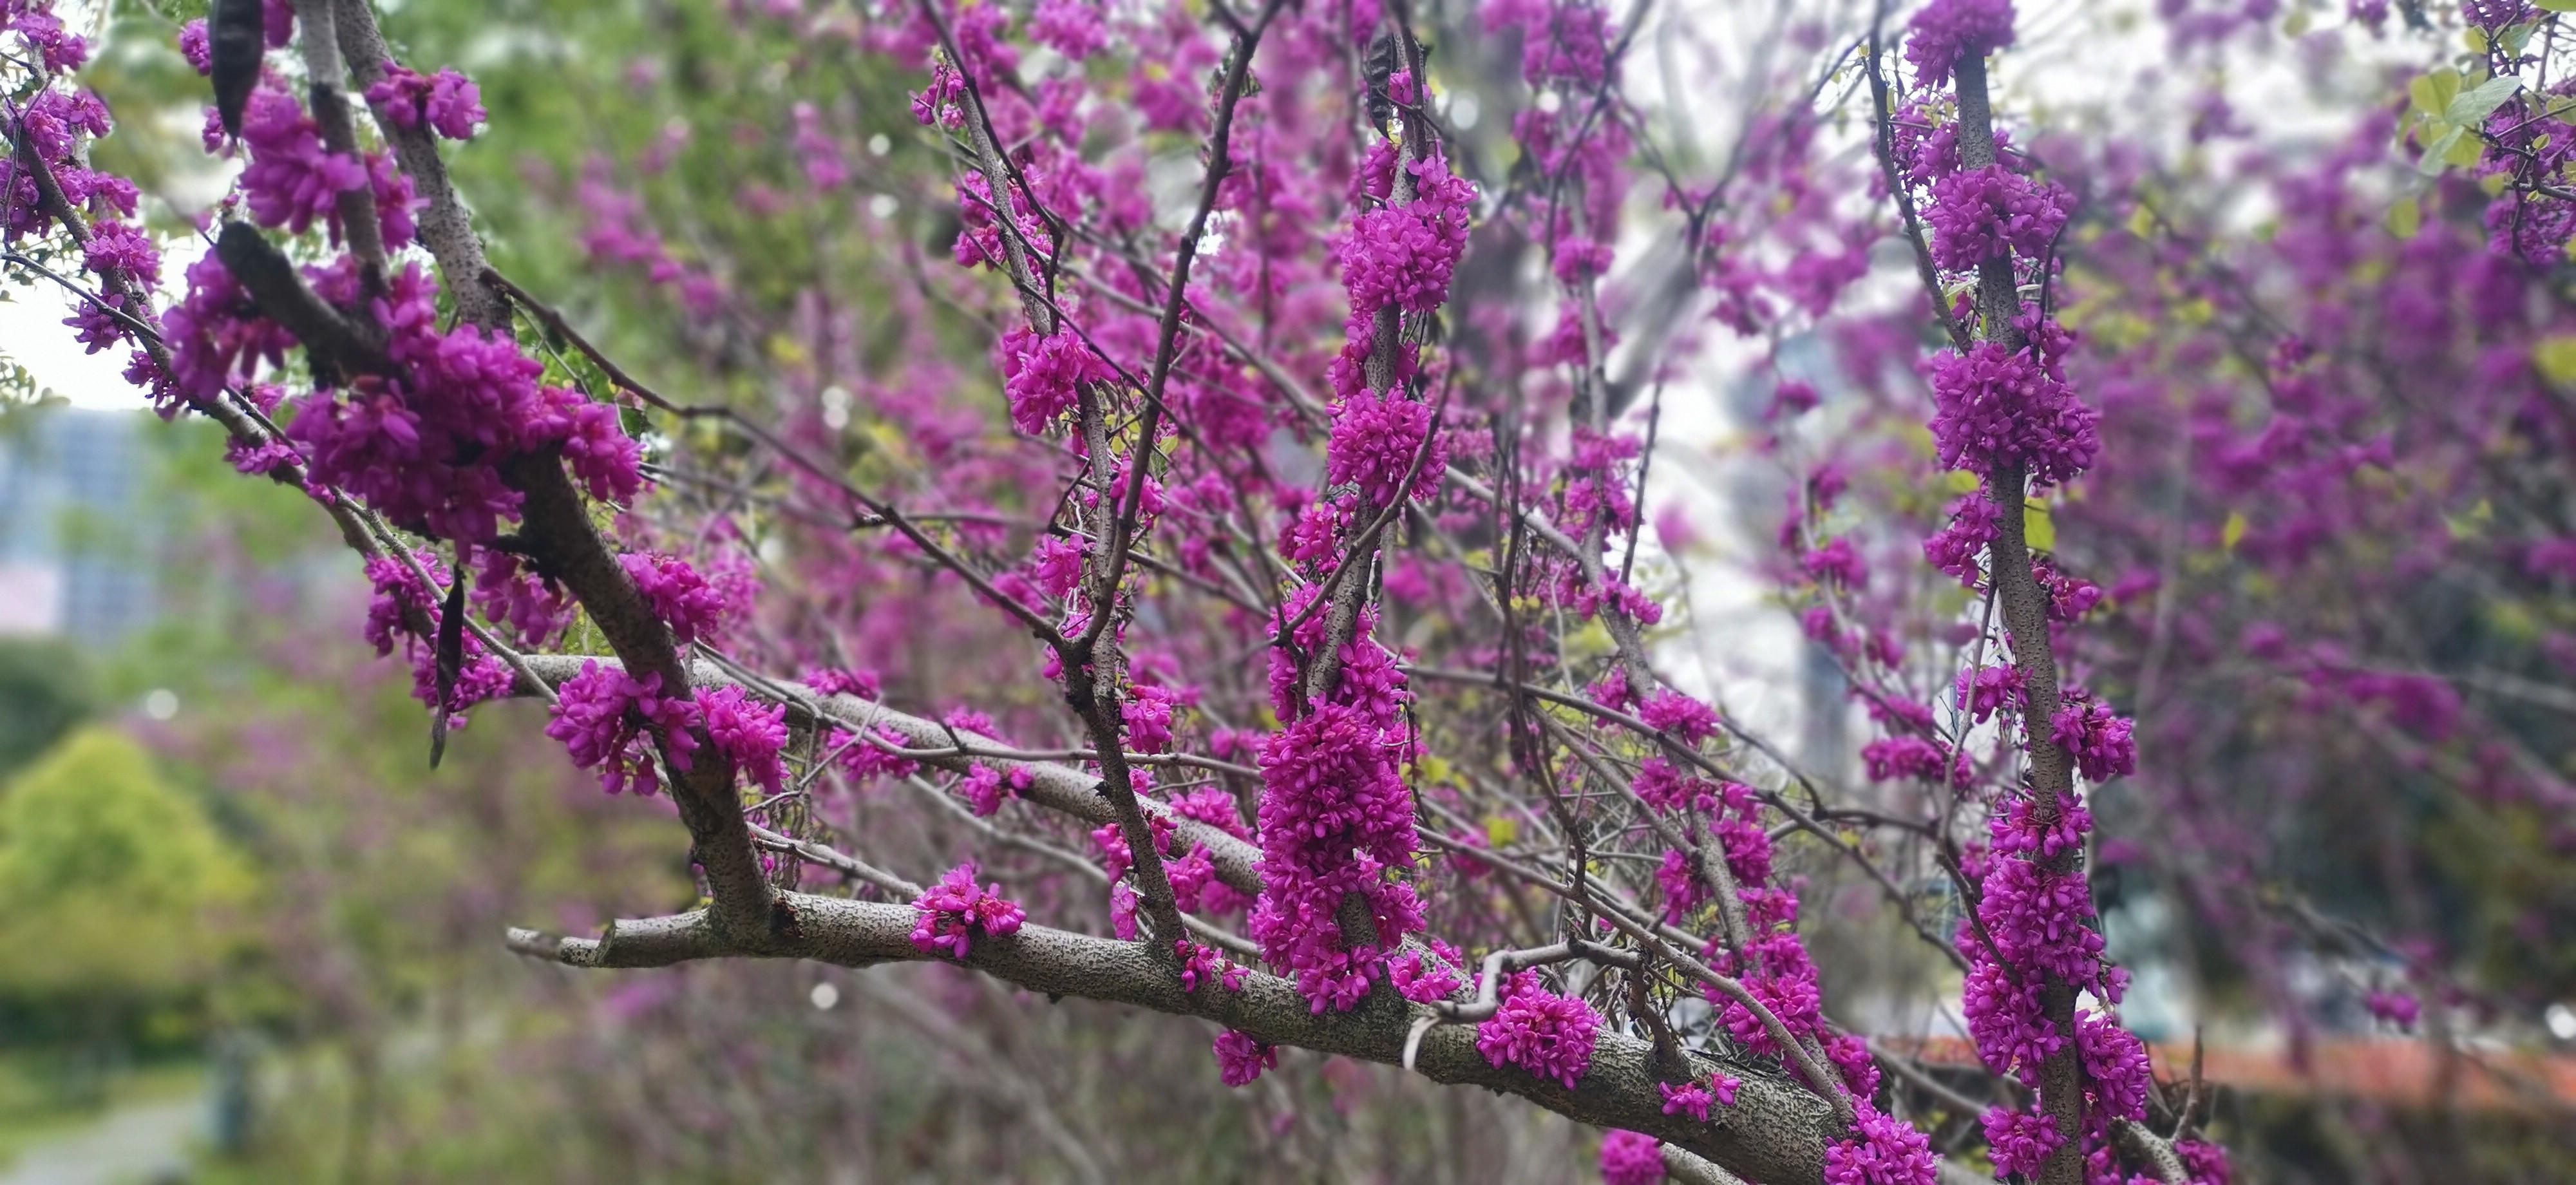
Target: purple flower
pixel 194 46
pixel 1070 27
pixel 1837 563
pixel 1375 441
pixel 1403 256
pixel 1421 978
pixel 1889 758
pixel 954 912
pixel 1988 213
pixel 1539 1031
pixel 982 790
pixel 292 180
pixel 679 596
pixel 602 714
pixel 448 102
pixel 1202 964
pixel 116 248
pixel 1628 1158
pixel 1059 565
pixel 820 153
pixel 1241 1059
pixel 1999 407
pixel 1334 817
pixel 1690 1099
pixel 1988 690
pixel 1148 713
pixel 1886 1151
pixel 1949 30
pixel 2396 1008
pixel 1671 711
pixel 61 50
pixel 2206 1162
pixel 2102 742
pixel 749 735
pixel 1042 376
pixel 2020 1141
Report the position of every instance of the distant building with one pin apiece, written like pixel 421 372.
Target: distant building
pixel 69 563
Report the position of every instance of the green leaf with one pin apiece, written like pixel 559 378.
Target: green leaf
pixel 2474 105
pixel 2466 151
pixel 2037 527
pixel 2406 218
pixel 2555 359
pixel 2234 532
pixel 2427 99
pixel 2558 5
pixel 2445 84
pixel 2437 154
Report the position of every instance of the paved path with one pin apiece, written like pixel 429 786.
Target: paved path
pixel 129 1145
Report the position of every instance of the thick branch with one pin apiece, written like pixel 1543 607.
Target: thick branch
pixel 1775 1132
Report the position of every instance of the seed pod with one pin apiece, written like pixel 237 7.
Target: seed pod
pixel 451 659
pixel 236 40
pixel 1381 66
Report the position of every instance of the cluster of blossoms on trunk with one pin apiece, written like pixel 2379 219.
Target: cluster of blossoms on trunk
pixel 2006 414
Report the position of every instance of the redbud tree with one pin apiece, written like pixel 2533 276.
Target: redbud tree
pixel 1234 524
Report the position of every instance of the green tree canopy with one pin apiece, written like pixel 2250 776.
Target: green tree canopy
pixel 117 883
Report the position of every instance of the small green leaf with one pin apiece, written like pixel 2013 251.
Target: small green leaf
pixel 2558 5
pixel 2427 99
pixel 2555 359
pixel 2473 523
pixel 2234 532
pixel 2446 87
pixel 1501 830
pixel 2037 527
pixel 2406 218
pixel 2466 152
pixel 2473 106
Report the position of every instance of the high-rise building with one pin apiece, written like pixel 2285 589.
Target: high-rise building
pixel 70 561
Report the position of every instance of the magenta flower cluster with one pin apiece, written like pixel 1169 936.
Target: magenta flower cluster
pixel 1043 376
pixel 609 720
pixel 292 180
pixel 1402 256
pixel 447 103
pixel 1947 31
pixel 2020 1141
pixel 2101 741
pixel 425 445
pixel 1695 1098
pixel 1539 1031
pixel 1990 213
pixel 683 599
pixel 1883 1150
pixel 1335 821
pixel 1377 441
pixel 1240 1059
pixel 954 913
pixel 1998 407
pixel 749 734
pixel 1628 1158
pixel 1990 689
